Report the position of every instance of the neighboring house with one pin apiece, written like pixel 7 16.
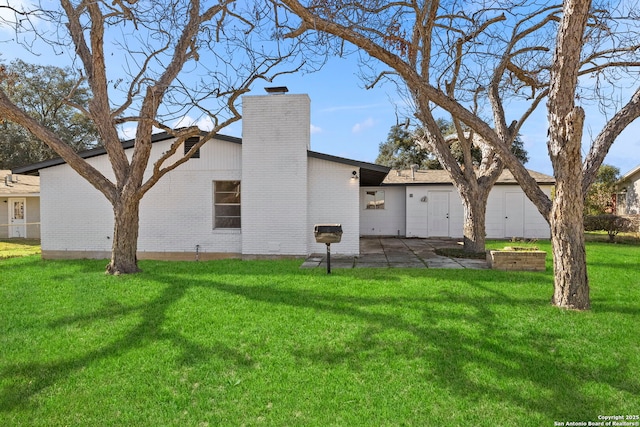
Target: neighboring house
pixel 254 197
pixel 628 197
pixel 424 203
pixel 19 206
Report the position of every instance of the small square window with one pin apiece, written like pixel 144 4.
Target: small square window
pixel 374 199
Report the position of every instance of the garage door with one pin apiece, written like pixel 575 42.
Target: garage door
pixel 438 214
pixel 513 215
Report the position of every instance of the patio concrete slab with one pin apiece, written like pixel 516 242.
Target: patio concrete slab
pixel 407 265
pixel 444 263
pixel 479 264
pixel 372 258
pixel 369 265
pixel 394 252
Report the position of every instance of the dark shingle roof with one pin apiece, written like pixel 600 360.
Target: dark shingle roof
pixel 87 154
pixel 370 173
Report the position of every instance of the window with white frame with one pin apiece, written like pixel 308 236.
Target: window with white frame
pixel 226 204
pixel 374 199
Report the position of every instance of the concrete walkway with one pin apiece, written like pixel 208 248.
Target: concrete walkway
pixel 385 252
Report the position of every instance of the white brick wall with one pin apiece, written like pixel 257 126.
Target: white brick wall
pixel 175 215
pixel 276 176
pixel 334 200
pixel 74 215
pixel 284 193
pixel 389 221
pixel 275 140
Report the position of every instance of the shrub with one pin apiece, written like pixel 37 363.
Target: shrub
pixel 612 224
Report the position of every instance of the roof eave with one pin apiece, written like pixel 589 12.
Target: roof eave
pixel 630 173
pixel 371 174
pixel 95 152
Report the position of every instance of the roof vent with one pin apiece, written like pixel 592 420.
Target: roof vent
pixel 277 90
pixel 413 172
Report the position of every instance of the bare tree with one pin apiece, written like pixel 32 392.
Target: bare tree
pixel 422 46
pixel 475 60
pixel 148 64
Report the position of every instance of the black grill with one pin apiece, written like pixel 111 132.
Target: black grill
pixel 328 234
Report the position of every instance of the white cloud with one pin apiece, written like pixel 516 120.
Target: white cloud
pixel 366 124
pixel 128 132
pixel 203 123
pixel 183 122
pixel 315 129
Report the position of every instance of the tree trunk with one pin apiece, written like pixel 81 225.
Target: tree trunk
pixel 571 284
pixel 125 237
pixel 475 213
pixel 566 123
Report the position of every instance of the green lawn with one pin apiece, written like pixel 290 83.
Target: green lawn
pixel 231 343
pixel 10 248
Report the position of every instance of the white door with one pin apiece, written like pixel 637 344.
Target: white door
pixel 438 214
pixel 513 215
pixel 17 218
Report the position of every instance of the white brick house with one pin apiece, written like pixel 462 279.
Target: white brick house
pixel 260 196
pixel 196 211
pixel 424 203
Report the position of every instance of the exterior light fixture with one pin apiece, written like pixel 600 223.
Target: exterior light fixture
pixel 354 175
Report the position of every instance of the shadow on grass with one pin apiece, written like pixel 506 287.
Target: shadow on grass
pixel 28 379
pixel 506 356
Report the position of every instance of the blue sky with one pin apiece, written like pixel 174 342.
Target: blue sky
pixel 350 121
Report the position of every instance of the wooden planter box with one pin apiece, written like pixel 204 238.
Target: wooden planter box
pixel 517 260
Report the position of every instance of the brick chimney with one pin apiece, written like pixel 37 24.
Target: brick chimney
pixel 275 140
